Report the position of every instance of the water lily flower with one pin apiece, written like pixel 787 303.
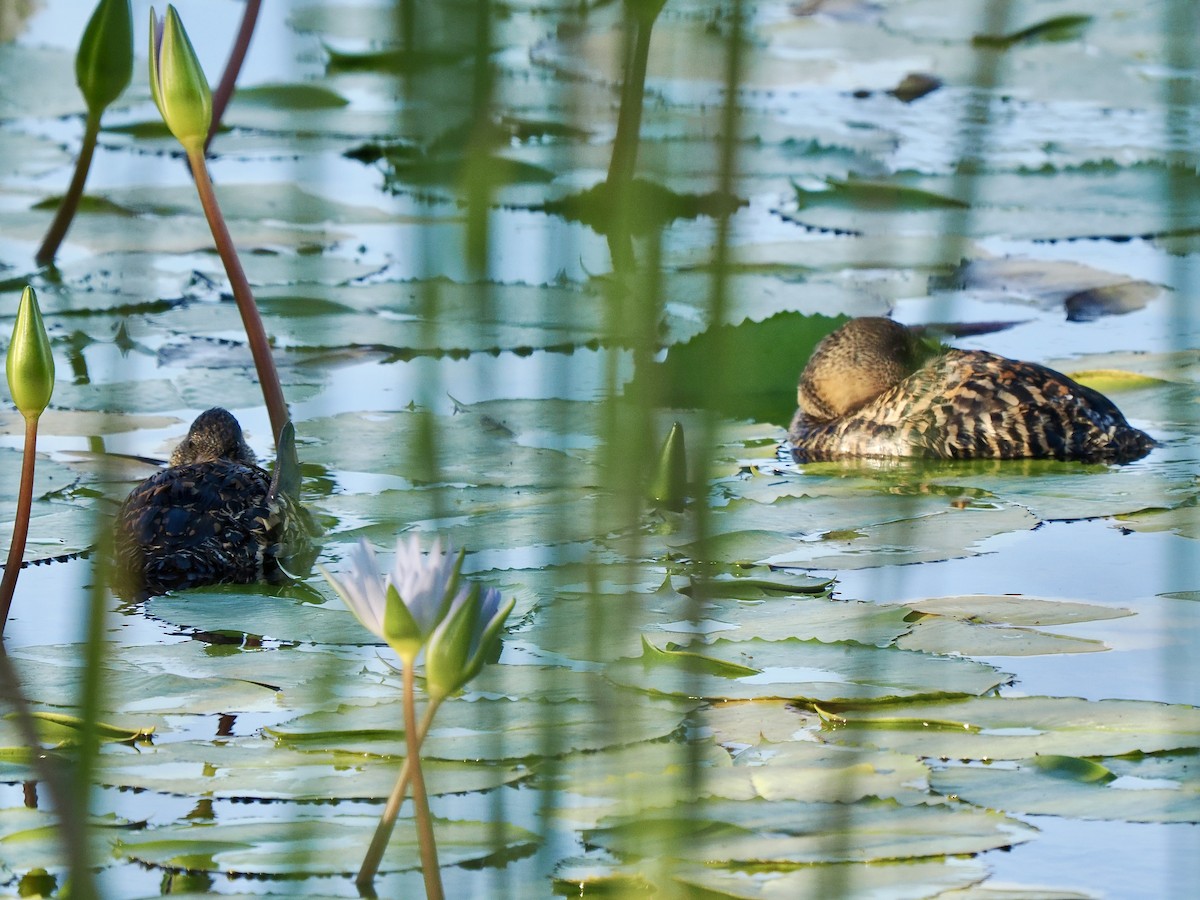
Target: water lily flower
pixel 180 90
pixel 464 640
pixel 30 363
pixel 404 605
pixel 104 63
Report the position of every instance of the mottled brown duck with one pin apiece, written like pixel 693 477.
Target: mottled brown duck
pixel 213 516
pixel 874 389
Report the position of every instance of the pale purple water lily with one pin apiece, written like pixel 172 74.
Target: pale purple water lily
pixel 404 605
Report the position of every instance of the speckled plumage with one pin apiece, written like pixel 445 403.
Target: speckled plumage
pixel 960 404
pixel 212 517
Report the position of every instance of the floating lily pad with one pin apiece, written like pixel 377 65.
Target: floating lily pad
pixel 919 878
pixel 247 610
pixel 759 832
pixel 258 770
pixel 983 626
pixel 806 670
pixel 986 728
pixel 487 729
pixel 1029 788
pixel 328 847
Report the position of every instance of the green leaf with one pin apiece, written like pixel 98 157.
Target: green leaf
pixel 690 661
pixel 811 671
pixel 1073 768
pixel 299 96
pixel 330 847
pixel 1057 28
pixel 1021 727
pixel 879 196
pixel 702 372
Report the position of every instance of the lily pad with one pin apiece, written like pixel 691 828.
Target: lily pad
pixel 1029 788
pixel 245 610
pixel 486 729
pixel 989 728
pixel 258 770
pixel 330 847
pixel 806 670
pixel 787 831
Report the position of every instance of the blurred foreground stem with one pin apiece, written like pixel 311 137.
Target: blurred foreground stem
pixel 383 831
pixel 69 204
pixel 256 335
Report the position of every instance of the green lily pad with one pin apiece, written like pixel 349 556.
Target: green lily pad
pixel 486 729
pixel 248 610
pixel 988 728
pixel 330 847
pixel 258 770
pixel 808 670
pixel 762 832
pixel 1031 787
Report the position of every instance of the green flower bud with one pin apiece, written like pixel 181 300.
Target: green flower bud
pixel 177 82
pixel 668 489
pixel 104 63
pixel 30 364
pixel 464 640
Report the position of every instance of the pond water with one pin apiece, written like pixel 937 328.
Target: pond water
pixel 932 650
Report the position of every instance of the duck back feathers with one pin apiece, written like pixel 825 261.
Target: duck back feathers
pixel 212 517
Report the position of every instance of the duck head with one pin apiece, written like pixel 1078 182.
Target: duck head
pixel 214 435
pixel 854 365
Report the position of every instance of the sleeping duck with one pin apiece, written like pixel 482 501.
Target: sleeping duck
pixel 211 517
pixel 874 389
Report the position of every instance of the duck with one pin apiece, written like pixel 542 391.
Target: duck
pixel 212 516
pixel 876 389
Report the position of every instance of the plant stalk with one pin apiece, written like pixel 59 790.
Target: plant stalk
pixel 623 163
pixel 383 831
pixel 256 335
pixel 237 56
pixel 16 550
pixel 69 806
pixel 70 201
pixel 425 838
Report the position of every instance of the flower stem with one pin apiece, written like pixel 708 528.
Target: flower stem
pixel 425 839
pixel 237 56
pixel 256 335
pixel 69 204
pixel 16 550
pixel 383 831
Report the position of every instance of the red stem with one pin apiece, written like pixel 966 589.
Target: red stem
pixel 16 550
pixel 70 201
pixel 425 839
pixel 224 91
pixel 387 821
pixel 256 335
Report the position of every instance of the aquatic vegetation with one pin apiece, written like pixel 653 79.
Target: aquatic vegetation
pixel 420 607
pixel 103 68
pixel 29 365
pixel 775 689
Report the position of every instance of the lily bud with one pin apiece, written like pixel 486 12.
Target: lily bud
pixel 104 63
pixel 177 82
pixel 464 640
pixel 668 489
pixel 30 364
